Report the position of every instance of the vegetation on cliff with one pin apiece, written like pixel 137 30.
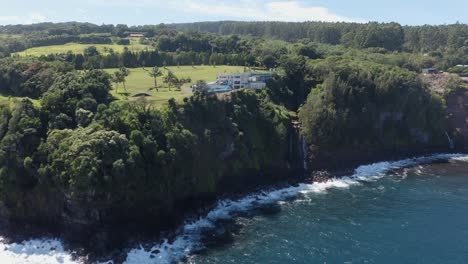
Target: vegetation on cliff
pixel 366 106
pixel 81 146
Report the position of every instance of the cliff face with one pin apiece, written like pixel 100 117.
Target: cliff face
pixel 457 108
pixel 98 224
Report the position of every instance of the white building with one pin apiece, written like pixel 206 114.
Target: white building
pixel 247 80
pixel 227 82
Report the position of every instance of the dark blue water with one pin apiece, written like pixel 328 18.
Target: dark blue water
pixel 417 215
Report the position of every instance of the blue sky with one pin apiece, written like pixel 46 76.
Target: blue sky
pixel 140 12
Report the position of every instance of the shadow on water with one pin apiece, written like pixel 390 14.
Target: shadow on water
pixel 226 231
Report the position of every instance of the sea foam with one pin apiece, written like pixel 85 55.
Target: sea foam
pixel 189 239
pixel 43 251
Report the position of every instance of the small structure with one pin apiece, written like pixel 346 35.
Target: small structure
pixel 430 71
pixel 136 35
pixel 464 79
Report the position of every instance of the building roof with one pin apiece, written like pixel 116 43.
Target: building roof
pixel 136 35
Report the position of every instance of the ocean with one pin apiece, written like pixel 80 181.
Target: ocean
pixel 407 211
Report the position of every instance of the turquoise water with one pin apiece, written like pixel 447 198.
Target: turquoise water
pixel 417 215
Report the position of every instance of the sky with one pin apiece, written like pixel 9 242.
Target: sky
pixel 142 12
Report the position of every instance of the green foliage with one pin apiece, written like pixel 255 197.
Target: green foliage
pixel 388 36
pixel 370 106
pixel 17 143
pixel 291 88
pixel 82 160
pixel 29 77
pixel 73 91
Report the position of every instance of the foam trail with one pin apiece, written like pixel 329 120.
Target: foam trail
pixel 189 238
pixel 36 251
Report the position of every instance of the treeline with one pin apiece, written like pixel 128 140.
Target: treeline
pixel 248 43
pixel 385 35
pixel 64 39
pixel 149 58
pixel 391 36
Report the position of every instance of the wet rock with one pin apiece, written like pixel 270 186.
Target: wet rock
pixel 321 176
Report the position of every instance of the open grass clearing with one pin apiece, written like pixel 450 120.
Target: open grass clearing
pixel 139 81
pixel 79 48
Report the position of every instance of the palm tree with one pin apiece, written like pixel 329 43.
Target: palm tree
pixel 124 72
pixel 171 79
pixel 155 73
pixel 116 78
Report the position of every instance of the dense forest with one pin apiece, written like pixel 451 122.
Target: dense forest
pixel 239 43
pixel 76 154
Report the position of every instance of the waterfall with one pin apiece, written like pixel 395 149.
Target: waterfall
pixel 305 154
pixel 299 150
pixel 290 148
pixel 450 141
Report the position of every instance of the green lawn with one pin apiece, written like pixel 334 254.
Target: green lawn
pixel 79 48
pixel 139 81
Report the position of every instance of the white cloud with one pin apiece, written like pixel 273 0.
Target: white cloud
pixel 294 11
pixel 255 10
pixel 10 19
pixel 29 19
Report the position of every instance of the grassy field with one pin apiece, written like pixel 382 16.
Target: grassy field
pixel 139 81
pixel 79 48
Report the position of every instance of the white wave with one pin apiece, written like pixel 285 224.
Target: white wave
pixel 36 251
pixel 461 158
pixel 51 251
pixel 189 239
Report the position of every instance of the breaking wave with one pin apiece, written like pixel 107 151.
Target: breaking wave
pixel 189 239
pixel 43 251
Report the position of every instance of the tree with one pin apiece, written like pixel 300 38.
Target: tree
pixel 180 82
pixel 116 78
pixel 171 79
pixel 155 73
pixel 124 73
pixel 90 51
pixel 201 85
pixel 269 61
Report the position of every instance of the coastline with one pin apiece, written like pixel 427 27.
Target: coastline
pixel 169 236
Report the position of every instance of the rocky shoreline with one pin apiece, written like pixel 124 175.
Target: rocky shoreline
pixel 98 249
